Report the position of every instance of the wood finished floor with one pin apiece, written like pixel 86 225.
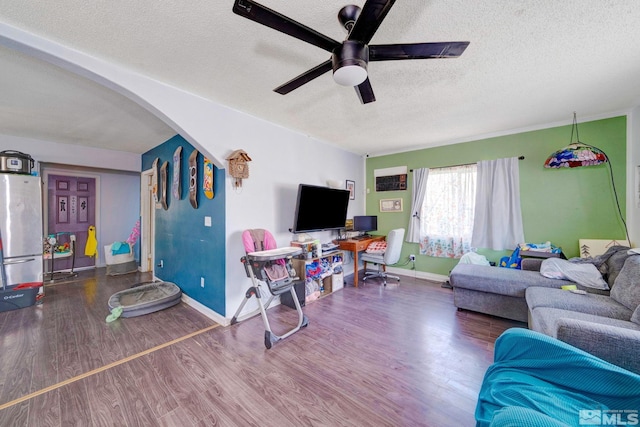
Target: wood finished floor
pixel 400 355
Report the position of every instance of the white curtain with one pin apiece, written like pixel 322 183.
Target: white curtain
pixel 447 212
pixel 498 217
pixel 417 198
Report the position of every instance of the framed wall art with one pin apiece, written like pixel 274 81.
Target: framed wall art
pixel 351 186
pixel 391 205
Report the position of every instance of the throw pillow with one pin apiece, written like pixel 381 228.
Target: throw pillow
pixel 377 247
pixel 583 274
pixel 627 287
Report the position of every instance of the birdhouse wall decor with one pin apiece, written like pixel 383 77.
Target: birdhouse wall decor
pixel 238 167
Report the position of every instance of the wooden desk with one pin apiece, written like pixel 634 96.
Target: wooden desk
pixel 355 246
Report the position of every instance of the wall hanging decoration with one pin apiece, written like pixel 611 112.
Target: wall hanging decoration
pixel 238 167
pixel 176 187
pixel 193 179
pixel 207 179
pixel 163 185
pixel 391 205
pixel 154 181
pixel 351 186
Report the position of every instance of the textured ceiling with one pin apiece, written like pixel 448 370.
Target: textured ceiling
pixel 529 63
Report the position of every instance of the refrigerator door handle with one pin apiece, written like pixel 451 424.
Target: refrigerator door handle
pixel 18 261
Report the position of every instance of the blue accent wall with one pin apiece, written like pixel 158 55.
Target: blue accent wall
pixel 189 250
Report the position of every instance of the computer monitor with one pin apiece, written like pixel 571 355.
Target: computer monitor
pixel 365 223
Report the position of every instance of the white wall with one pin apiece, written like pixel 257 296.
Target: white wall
pixel 281 159
pixel 119 189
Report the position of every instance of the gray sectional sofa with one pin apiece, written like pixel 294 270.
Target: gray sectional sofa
pixel 495 290
pixel 603 323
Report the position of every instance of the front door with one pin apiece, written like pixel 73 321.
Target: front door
pixel 72 210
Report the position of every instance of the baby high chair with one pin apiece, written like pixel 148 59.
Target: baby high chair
pixel 264 263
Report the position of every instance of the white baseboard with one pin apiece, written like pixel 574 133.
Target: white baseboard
pixel 205 310
pixel 418 274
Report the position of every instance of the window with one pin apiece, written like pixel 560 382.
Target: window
pixel 446 223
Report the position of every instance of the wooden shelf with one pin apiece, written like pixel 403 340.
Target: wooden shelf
pixel 300 265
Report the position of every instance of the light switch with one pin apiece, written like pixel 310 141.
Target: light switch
pixel 207 221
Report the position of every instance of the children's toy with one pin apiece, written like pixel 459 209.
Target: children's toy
pixel 273 267
pixel 176 187
pixel 207 182
pixel 513 261
pixel 135 234
pixel 193 179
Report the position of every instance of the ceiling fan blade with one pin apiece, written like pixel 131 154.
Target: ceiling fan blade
pixel 365 92
pixel 303 78
pixel 372 14
pixel 272 19
pixel 390 52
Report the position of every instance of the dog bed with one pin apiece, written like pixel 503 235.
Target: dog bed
pixel 146 298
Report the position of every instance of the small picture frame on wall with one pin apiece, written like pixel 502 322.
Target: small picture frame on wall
pixel 391 205
pixel 351 186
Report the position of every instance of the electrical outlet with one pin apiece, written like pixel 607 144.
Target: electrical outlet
pixel 412 257
pixel 202 282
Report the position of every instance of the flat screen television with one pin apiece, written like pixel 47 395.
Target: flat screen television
pixel 365 223
pixel 320 208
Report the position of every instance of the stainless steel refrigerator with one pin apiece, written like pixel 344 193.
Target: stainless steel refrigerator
pixel 21 228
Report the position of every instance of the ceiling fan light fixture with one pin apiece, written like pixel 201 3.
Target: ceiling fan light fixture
pixel 350 75
pixel 349 62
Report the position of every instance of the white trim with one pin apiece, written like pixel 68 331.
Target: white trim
pixel 223 321
pixel 418 274
pixel 147 223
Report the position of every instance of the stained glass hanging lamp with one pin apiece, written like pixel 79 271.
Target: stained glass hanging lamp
pixel 576 154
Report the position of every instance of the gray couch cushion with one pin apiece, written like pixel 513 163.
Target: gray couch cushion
pixel 613 340
pixel 635 317
pixel 547 319
pixel 626 289
pixel 614 264
pixel 598 305
pixel 498 280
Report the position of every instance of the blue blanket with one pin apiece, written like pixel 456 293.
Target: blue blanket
pixel 119 248
pixel 537 380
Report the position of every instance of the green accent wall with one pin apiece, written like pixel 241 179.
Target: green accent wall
pixel 559 205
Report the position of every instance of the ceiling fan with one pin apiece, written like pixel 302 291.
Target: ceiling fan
pixel 350 58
